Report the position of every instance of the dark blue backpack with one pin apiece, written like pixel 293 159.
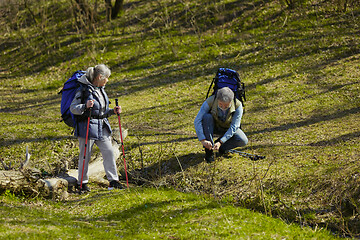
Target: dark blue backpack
pixel 226 77
pixel 67 95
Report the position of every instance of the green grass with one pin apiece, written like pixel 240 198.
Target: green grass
pixel 141 213
pixel 301 73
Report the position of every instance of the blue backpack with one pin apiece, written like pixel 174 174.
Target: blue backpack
pixel 67 95
pixel 226 77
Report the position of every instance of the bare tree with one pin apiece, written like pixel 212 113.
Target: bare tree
pixel 85 9
pixel 113 11
pixel 84 15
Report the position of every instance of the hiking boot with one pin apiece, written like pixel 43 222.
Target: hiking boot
pixel 222 152
pixel 84 188
pixel 209 156
pixel 115 185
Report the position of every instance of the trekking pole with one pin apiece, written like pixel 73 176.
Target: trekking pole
pixel 253 157
pixel 122 144
pixel 213 143
pixel 86 142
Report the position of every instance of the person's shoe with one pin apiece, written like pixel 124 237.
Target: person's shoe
pixel 115 185
pixel 221 152
pixel 84 188
pixel 209 156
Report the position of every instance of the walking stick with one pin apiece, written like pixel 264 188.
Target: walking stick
pixel 253 157
pixel 86 142
pixel 122 144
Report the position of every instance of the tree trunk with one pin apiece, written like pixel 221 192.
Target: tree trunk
pixel 28 182
pixel 117 8
pixel 113 12
pixel 108 9
pixel 84 15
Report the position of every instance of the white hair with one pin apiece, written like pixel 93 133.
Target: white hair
pixel 225 94
pixel 93 72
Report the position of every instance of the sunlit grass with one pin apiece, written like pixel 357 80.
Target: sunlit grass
pixel 301 75
pixel 141 214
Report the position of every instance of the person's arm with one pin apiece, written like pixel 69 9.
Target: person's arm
pixel 112 111
pixel 76 107
pixel 198 121
pixel 235 124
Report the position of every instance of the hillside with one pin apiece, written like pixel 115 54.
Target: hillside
pixel 300 67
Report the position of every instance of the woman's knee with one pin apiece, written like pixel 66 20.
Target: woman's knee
pixel 243 142
pixel 241 139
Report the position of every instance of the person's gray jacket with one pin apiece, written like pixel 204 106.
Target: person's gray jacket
pixel 99 112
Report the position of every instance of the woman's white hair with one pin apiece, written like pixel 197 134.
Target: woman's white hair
pixel 225 94
pixel 101 69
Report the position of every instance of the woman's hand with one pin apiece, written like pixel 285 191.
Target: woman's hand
pixel 117 110
pixel 207 144
pixel 217 146
pixel 89 103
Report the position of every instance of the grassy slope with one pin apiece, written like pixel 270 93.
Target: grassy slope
pixel 300 69
pixel 141 213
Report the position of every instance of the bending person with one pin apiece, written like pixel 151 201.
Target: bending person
pixel 220 114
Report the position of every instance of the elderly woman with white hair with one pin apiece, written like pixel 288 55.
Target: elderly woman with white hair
pixel 220 114
pixel 92 97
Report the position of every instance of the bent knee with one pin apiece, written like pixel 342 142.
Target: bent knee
pixel 242 140
pixel 245 141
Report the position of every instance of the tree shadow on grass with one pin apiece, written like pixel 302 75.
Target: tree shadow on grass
pixel 168 167
pixel 303 123
pixel 326 90
pixel 338 140
pixel 9 143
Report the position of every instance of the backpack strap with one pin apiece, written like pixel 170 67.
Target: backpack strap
pixel 210 101
pixel 85 92
pixel 210 88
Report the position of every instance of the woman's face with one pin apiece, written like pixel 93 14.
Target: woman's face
pixel 101 81
pixel 224 105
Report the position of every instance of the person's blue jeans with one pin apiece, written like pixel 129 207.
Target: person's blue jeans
pixel 239 139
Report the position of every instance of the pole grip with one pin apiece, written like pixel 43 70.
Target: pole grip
pixel 117 104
